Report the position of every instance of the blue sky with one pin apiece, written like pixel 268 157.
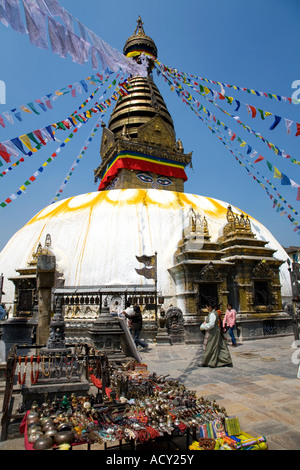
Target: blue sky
pixel 248 44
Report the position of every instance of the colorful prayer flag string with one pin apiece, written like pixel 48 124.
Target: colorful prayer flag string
pixel 45 103
pixel 76 162
pixel 285 180
pixel 40 170
pixel 45 135
pixel 270 145
pixel 276 204
pixel 250 109
pixel 235 87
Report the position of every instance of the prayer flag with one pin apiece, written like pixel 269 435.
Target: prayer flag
pixel 298 129
pixel 276 122
pixel 36 24
pixel 285 180
pixel 288 124
pixel 5 154
pixel 277 173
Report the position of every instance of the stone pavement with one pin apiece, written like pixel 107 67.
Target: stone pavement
pixel 261 389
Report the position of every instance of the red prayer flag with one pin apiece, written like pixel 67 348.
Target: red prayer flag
pixel 4 153
pixel 253 110
pixel 259 159
pixel 233 136
pixel 298 129
pixel 298 194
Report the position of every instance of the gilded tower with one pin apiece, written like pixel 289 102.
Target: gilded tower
pixel 139 147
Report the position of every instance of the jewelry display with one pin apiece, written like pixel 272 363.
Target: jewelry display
pixel 21 379
pixel 34 375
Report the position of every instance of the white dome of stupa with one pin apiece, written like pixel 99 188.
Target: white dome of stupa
pixel 97 236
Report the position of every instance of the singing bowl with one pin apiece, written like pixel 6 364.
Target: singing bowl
pixel 34 429
pixel 43 443
pixel 33 419
pixel 65 427
pixel 33 437
pixel 50 432
pixel 32 414
pixel 45 421
pixel 64 437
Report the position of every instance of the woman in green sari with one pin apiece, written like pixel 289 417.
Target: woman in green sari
pixel 215 350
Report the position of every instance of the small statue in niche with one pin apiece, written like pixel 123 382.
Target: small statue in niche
pixel 162 321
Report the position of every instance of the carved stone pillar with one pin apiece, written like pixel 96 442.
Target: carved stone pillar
pixel 45 281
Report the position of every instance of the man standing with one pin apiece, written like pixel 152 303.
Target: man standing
pixel 136 326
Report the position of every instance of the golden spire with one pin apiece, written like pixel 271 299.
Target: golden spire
pixel 139 43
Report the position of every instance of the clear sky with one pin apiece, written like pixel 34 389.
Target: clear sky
pixel 249 44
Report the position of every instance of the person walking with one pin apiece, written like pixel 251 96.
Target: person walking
pixel 229 321
pixel 136 326
pixel 215 349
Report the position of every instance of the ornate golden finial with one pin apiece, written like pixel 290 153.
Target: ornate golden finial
pixel 139 30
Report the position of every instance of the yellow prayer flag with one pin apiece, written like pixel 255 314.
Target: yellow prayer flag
pixel 267 113
pixel 277 173
pixel 26 141
pixel 206 90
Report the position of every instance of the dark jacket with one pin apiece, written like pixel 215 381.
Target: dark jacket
pixel 136 320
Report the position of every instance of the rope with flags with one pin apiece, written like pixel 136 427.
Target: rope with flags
pixel 76 162
pixel 276 204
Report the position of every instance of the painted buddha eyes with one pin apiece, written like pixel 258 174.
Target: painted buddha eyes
pixel 164 180
pixel 145 177
pixel 161 180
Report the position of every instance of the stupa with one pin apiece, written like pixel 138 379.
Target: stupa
pixel 141 237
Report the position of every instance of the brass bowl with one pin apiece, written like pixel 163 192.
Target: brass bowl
pixel 32 414
pixel 64 427
pixel 51 432
pixel 43 443
pixel 34 429
pixel 64 437
pixel 34 436
pixel 33 419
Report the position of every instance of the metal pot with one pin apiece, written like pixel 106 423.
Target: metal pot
pixel 64 437
pixel 43 443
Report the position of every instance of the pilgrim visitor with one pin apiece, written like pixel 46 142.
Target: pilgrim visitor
pixel 128 312
pixel 136 327
pixel 229 320
pixel 215 350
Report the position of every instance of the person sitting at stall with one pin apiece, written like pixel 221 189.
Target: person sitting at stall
pixel 215 349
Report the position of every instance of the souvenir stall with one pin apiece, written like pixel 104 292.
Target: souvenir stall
pixel 131 408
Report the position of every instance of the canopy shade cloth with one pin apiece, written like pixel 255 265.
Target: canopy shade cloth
pixel 97 236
